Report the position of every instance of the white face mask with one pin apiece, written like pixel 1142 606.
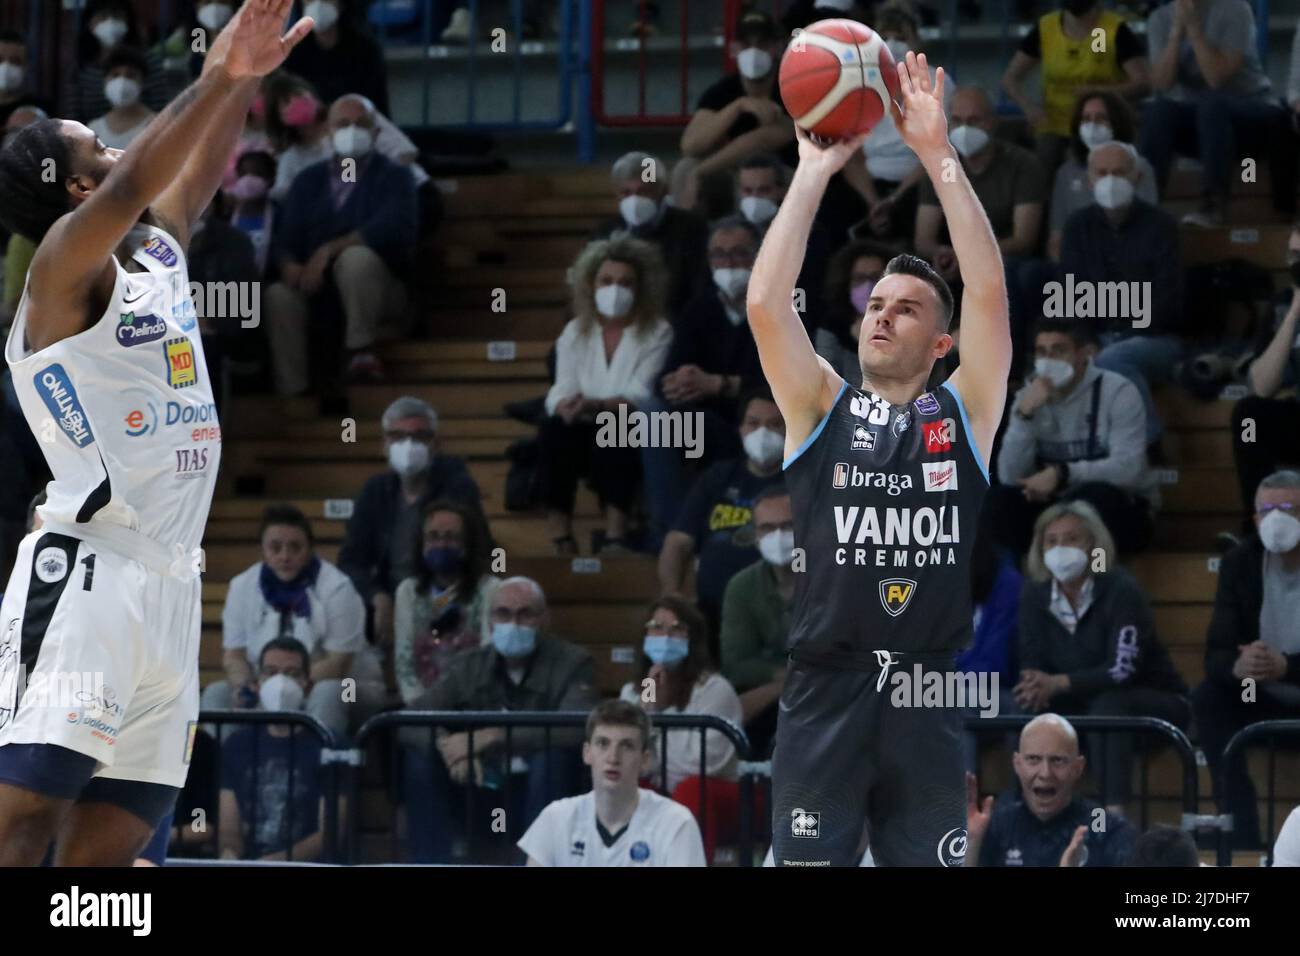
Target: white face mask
pixel 11 77
pixel 1056 371
pixel 1094 134
pixel 764 446
pixel 409 457
pixel 325 14
pixel 777 547
pixel 353 141
pixel 614 301
pixel 897 49
pixel 280 692
pixel 122 91
pixel 1113 192
pixel 1279 531
pixel 754 63
pixel 968 140
pixel 1066 564
pixel 758 209
pixel 637 210
pixel 214 16
pixel 731 282
pixel 110 32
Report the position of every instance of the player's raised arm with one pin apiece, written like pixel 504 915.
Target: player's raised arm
pixel 985 330
pixel 803 385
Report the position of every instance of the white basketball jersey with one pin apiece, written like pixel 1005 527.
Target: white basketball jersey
pixel 123 410
pixel 661 832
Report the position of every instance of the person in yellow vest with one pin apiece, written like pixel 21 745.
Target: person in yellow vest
pixel 1082 49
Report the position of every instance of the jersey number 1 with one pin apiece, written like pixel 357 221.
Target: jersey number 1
pixel 88 581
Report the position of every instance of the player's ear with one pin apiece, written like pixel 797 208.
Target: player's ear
pixel 942 345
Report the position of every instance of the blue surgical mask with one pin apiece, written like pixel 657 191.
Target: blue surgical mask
pixel 444 560
pixel 665 649
pixel 513 640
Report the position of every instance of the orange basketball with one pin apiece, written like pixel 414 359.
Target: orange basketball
pixel 837 77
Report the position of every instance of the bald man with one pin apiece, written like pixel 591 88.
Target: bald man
pixel 1043 822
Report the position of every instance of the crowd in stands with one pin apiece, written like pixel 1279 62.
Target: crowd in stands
pixel 325 203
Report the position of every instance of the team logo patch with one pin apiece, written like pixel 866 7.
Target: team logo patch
pixel 902 421
pixel 579 848
pixel 805 824
pixel 51 565
pixel 191 462
pixel 135 329
pixel 160 250
pixel 181 371
pixel 896 594
pixel 952 848
pixel 640 851
pixel 863 438
pixel 927 404
pixel 940 475
pixel 840 478
pixel 142 420
pixel 939 436
pixel 60 398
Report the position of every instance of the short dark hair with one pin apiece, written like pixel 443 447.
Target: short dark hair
pixel 747 395
pixel 257 158
pixel 894 18
pixel 839 314
pixel 767 161
pixel 1080 331
pixel 756 26
pixel 1164 845
pixel 777 489
pixel 476 549
pixel 908 265
pixel 126 56
pixel 619 713
pixel 286 514
pixel 736 222
pixel 31 201
pixel 293 646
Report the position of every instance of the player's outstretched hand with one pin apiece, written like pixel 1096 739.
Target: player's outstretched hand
pixel 256 46
pixel 921 122
pixel 1074 853
pixel 978 814
pixel 831 156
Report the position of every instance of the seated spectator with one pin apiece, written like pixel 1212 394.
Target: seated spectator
pixel 1213 96
pixel 1076 433
pixel 1122 239
pixel 618 823
pixel 185 832
pixel 1088 643
pixel 378 552
pixel 297 128
pixel 222 257
pixel 195 26
pixel 851 274
pixel 757 609
pixel 737 117
pixel 126 119
pixel 1286 851
pixel 524 667
pixel 608 355
pixel 271 804
pixel 1252 651
pixel 15 83
pixel 441 609
pixel 1273 436
pixel 252 212
pixel 107 26
pixel 1099 118
pixel 679 677
pixel 715 525
pixel 761 182
pixel 340 56
pixel 1042 822
pixel 1164 846
pixel 294 593
pixel 641 187
pixel 350 236
pixel 1064 43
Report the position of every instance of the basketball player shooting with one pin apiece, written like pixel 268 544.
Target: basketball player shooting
pixel 887 481
pixel 100 623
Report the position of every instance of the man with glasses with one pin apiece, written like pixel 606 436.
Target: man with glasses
pixel 1252 651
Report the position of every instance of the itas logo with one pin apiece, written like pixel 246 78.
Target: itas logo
pixel 939 436
pixel 181 370
pixel 863 438
pixel 851 476
pixel 940 475
pixel 160 250
pixel 60 398
pixel 952 848
pixel 927 404
pixel 138 330
pixel 191 462
pixel 805 824
pixel 896 594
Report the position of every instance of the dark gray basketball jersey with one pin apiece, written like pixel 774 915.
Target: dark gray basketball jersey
pixel 886 501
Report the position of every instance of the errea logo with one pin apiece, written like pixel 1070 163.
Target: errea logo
pixel 805 824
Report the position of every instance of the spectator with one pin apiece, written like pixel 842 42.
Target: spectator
pixel 15 83
pixel 1088 643
pixel 377 551
pixel 1099 118
pixel 252 212
pixel 800 13
pixel 271 804
pixel 19 250
pixel 1076 432
pixel 851 274
pixel 641 187
pixel 761 182
pixel 293 593
pixel 125 71
pixel 680 677
pixel 1211 91
pixel 339 56
pixel 106 26
pixel 716 520
pixel 441 609
pixel 1164 846
pixel 618 823
pixel 220 257
pixel 297 127
pixel 523 668
pixel 1122 239
pixel 757 607
pixel 1252 651
pixel 738 116
pixel 608 356
pixel 1042 822
pixel 195 26
pixel 1266 428
pixel 1286 851
pixel 1064 43
pixel 356 244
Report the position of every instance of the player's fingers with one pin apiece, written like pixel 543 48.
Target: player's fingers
pixel 938 84
pixel 905 78
pixel 923 73
pixel 896 112
pixel 297 33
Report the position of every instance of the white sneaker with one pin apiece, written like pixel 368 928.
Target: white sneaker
pixel 458 29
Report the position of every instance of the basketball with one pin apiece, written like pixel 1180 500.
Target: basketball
pixel 836 79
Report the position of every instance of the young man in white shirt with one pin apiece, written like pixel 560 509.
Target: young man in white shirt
pixel 617 823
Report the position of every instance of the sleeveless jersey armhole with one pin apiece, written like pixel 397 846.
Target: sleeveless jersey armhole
pixel 965 424
pixel 807 442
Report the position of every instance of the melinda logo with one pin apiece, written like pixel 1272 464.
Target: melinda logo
pixel 60 398
pixel 137 330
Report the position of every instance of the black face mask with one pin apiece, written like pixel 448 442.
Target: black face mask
pixel 1079 7
pixel 1294 266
